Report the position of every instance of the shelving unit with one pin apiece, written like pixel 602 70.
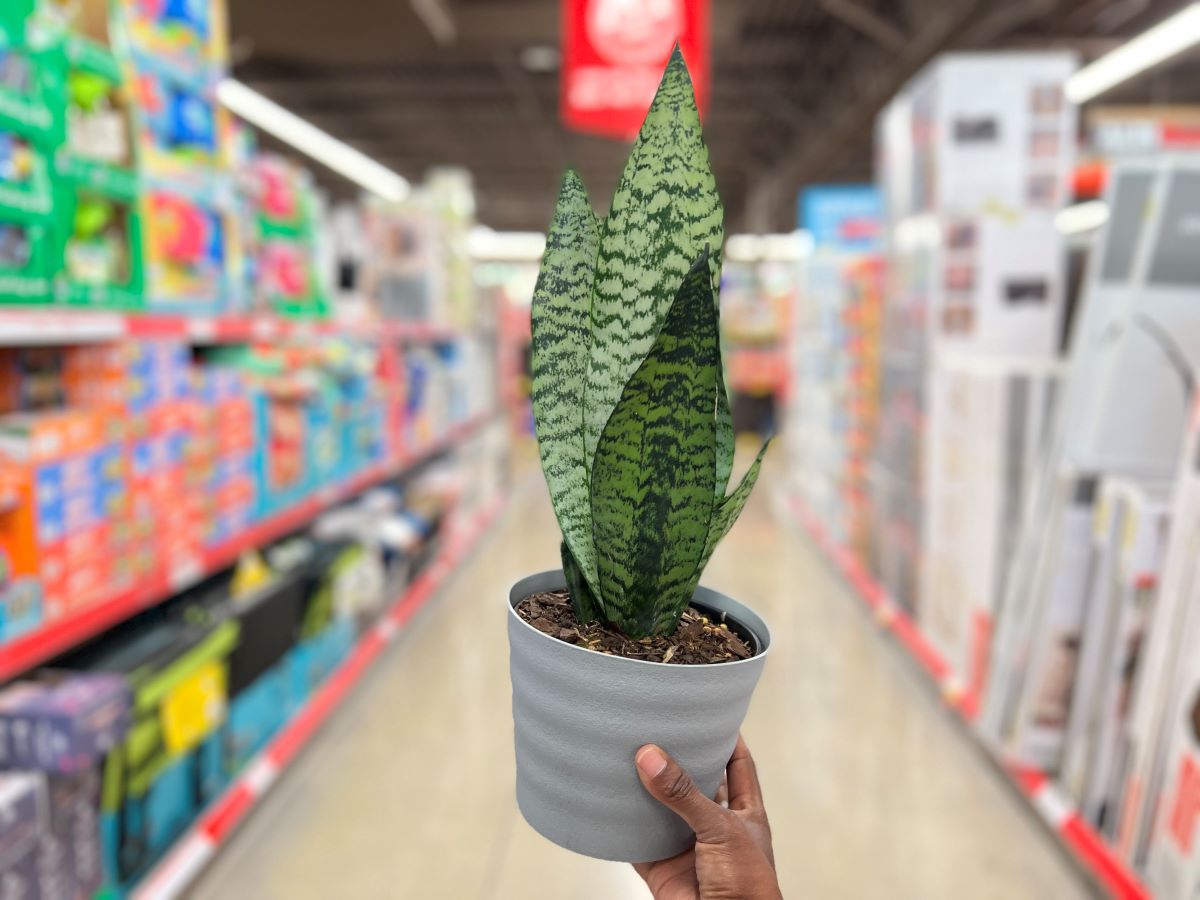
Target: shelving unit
pixel 52 326
pixel 1085 846
pixel 44 643
pixel 197 846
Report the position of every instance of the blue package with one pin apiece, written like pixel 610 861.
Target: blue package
pixel 191 122
pixel 52 523
pixel 48 486
pixel 192 13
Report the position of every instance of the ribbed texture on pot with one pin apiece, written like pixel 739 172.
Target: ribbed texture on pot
pixel 580 716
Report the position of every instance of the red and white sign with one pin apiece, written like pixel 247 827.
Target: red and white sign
pixel 614 53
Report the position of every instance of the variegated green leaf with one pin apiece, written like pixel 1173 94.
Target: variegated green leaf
pixel 727 512
pixel 665 212
pixel 587 608
pixel 653 475
pixel 725 435
pixel 561 337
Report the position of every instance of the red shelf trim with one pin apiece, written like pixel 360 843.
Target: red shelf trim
pixel 1081 840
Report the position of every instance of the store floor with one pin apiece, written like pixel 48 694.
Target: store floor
pixel 873 792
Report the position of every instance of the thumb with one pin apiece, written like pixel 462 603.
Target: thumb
pixel 667 783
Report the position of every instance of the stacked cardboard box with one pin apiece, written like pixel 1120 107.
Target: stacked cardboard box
pixel 62 474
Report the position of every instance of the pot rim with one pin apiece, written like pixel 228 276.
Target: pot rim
pixel 764 639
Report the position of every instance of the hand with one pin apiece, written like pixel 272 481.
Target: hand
pixel 732 859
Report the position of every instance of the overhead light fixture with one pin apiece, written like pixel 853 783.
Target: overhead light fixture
pixel 540 58
pixel 1082 217
pixel 310 140
pixel 1168 38
pixel 790 247
pixel 505 246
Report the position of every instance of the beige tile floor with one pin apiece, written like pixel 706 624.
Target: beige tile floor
pixel 873 792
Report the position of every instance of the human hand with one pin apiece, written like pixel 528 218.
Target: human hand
pixel 732 859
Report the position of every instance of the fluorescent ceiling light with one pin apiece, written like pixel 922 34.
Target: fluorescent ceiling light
pixel 1168 38
pixel 272 118
pixel 1082 217
pixel 506 246
pixel 769 247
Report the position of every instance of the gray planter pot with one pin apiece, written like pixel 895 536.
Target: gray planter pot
pixel 580 716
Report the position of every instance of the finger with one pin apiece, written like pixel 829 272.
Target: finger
pixel 722 798
pixel 671 786
pixel 744 790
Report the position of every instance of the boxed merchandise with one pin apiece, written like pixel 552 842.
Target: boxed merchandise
pixel 1175 855
pixel 70 861
pixel 190 263
pixel 33 68
pixel 101 249
pixel 22 809
pixel 992 420
pixel 1137 336
pixel 98 151
pixel 62 723
pixel 1129 541
pixel 975 155
pixel 178 675
pixel 65 476
pixel 284 210
pixel 98 219
pixel 1155 733
pixel 1046 682
pixel 183 39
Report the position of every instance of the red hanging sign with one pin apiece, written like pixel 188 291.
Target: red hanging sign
pixel 614 53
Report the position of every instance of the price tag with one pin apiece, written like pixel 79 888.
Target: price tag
pixel 194 708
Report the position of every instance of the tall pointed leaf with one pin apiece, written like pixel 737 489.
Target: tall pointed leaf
pixel 665 211
pixel 561 337
pixel 726 514
pixel 653 476
pixel 725 435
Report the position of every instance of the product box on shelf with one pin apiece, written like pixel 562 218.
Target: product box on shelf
pixel 1175 855
pixel 184 40
pixel 180 135
pixel 62 722
pixel 22 810
pixel 178 675
pixel 282 200
pixel 1155 732
pixel 70 858
pixel 1129 540
pixel 101 248
pixel 402 276
pixel 98 151
pixel 990 421
pixel 189 255
pixel 27 247
pixel 1045 688
pixel 97 214
pixel 31 92
pixel 64 472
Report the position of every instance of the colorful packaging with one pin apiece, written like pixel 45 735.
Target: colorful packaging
pixel 62 723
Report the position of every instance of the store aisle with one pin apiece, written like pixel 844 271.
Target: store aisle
pixel 872 791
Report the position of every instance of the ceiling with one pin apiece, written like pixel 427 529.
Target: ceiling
pixel 796 86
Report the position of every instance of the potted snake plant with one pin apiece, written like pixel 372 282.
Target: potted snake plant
pixel 622 647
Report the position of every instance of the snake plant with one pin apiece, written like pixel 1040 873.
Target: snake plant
pixel 632 417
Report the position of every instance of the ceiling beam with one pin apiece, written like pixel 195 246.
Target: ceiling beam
pixel 866 22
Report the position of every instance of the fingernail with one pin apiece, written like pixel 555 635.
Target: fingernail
pixel 651 761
